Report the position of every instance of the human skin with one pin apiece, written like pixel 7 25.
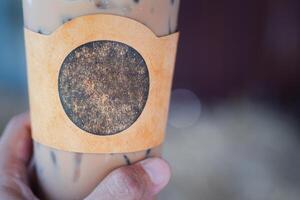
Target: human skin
pixel 142 180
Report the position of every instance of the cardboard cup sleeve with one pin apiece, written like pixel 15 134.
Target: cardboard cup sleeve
pixel 100 84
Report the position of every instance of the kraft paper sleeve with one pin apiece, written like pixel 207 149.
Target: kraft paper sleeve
pixel 100 84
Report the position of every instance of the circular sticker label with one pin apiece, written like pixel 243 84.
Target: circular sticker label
pixel 103 86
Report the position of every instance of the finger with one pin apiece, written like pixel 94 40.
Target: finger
pixel 16 147
pixel 140 181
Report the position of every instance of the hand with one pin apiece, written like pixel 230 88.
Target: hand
pixel 140 181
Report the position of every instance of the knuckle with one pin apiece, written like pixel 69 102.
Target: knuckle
pixel 15 188
pixel 14 171
pixel 129 182
pixel 8 184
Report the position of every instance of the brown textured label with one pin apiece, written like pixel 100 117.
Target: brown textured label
pixel 100 84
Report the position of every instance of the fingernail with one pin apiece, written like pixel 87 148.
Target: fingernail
pixel 157 170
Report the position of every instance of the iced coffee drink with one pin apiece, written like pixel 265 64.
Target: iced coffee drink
pixel 64 174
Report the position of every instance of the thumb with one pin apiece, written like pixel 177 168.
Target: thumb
pixel 139 181
pixel 16 148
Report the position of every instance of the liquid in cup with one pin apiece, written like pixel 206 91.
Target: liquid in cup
pixel 67 175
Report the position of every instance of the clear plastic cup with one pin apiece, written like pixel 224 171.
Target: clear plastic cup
pixel 67 175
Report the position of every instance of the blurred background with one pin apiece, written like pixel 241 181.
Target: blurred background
pixel 233 130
